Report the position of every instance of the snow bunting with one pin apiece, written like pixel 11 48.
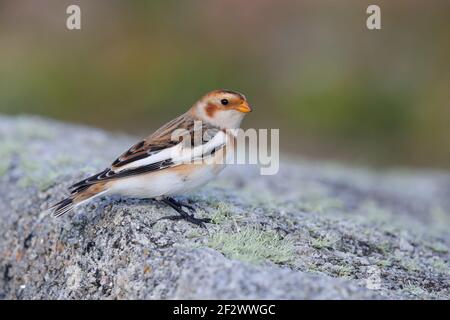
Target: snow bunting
pixel 156 166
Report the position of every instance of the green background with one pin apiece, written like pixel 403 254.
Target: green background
pixel 310 68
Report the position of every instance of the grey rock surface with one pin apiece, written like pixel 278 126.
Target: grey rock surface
pixel 314 231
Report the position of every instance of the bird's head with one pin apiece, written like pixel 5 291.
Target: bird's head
pixel 222 108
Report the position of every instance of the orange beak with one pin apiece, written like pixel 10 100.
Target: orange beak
pixel 244 107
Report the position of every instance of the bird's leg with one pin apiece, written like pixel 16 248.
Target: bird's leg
pixel 190 207
pixel 187 206
pixel 180 204
pixel 178 207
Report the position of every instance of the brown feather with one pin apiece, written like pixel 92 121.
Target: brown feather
pixel 159 140
pixel 89 192
pixel 211 109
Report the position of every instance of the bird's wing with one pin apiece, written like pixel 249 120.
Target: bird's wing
pixel 159 151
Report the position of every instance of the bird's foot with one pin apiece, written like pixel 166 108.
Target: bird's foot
pixel 188 206
pixel 190 218
pixel 183 215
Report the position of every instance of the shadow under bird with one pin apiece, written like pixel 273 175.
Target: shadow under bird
pixel 157 167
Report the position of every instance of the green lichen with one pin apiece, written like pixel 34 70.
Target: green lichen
pixel 4 163
pixel 438 247
pixel 345 271
pixel 384 247
pixel 222 213
pixel 28 130
pixel 325 242
pixel 34 175
pixel 409 265
pixel 3 168
pixel 441 266
pixel 63 160
pixel 312 268
pixel 29 166
pixel 41 182
pixel 253 246
pixel 384 263
pixel 415 290
pixel 7 149
pixel 45 182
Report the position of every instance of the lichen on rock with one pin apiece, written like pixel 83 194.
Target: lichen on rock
pixel 314 231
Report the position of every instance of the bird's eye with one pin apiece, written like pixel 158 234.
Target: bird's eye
pixel 224 102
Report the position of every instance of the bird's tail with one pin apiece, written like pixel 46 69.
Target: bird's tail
pixel 78 197
pixel 62 207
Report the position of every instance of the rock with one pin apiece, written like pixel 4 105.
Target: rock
pixel 314 231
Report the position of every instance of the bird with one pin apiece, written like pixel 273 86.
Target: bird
pixel 164 164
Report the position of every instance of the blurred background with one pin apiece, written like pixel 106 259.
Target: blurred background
pixel 335 89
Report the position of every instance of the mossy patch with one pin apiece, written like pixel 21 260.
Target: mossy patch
pixel 41 177
pixel 325 242
pixel 7 150
pixel 345 271
pixel 409 264
pixel 41 182
pixel 438 247
pixel 3 168
pixel 253 246
pixel 385 248
pixel 222 213
pixel 441 266
pixel 415 290
pixel 384 263
pixel 28 131
pixel 63 160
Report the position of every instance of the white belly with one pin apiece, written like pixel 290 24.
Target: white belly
pixel 165 182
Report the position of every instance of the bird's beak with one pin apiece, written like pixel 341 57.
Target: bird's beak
pixel 244 107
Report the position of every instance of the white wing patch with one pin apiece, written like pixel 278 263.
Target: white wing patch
pixel 179 155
